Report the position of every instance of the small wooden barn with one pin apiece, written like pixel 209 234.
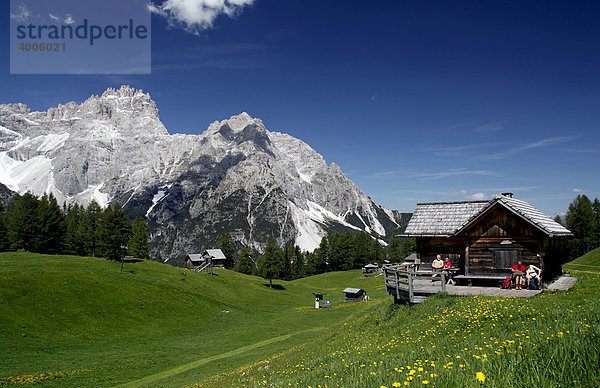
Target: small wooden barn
pixel 194 261
pixel 354 294
pixel 215 256
pixel 484 239
pixel 370 268
pixel 210 257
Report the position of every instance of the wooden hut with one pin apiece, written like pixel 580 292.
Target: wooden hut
pixel 484 239
pixel 194 261
pixel 215 256
pixel 370 268
pixel 210 258
pixel 354 294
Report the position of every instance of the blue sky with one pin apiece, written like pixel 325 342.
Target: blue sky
pixel 415 101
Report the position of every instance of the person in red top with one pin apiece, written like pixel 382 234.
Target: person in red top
pixel 448 264
pixel 518 271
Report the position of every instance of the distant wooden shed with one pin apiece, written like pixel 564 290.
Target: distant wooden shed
pixel 215 256
pixel 194 261
pixel 354 294
pixel 370 268
pixel 484 239
pixel 209 258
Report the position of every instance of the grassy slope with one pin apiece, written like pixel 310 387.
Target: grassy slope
pixel 82 318
pixel 549 340
pixel 588 262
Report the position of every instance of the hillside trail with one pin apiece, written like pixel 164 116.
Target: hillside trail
pixel 194 364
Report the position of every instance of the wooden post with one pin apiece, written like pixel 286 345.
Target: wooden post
pixel 467 259
pixel 443 277
pixel 397 286
pixel 411 292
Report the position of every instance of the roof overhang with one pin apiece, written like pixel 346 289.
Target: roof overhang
pixel 490 207
pixel 424 235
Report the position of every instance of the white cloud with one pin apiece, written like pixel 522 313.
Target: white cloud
pixel 69 19
pixel 548 142
pixel 197 15
pixel 530 146
pixel 53 17
pixel 448 174
pixel 478 196
pixel 576 190
pixel 21 15
pixel 489 127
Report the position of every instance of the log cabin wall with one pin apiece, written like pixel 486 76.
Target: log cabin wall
pixel 499 239
pixel 451 247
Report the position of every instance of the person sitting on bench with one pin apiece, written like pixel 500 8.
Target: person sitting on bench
pixel 533 273
pixel 518 271
pixel 437 265
pixel 447 271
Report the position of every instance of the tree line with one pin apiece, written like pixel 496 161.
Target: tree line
pixel 583 220
pixel 337 252
pixel 41 225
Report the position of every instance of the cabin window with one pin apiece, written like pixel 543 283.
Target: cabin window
pixel 506 258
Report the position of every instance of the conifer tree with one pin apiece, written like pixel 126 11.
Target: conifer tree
pixel 90 222
pixel 409 246
pixel 227 246
pixel 74 243
pixel 558 219
pixel 286 267
pixel 580 220
pixel 377 251
pixel 22 222
pixel 298 265
pixel 318 261
pixel 139 246
pixel 360 251
pixel 245 263
pixel 271 262
pixel 596 223
pixel 394 249
pixel 3 231
pixel 113 232
pixel 340 256
pixel 50 225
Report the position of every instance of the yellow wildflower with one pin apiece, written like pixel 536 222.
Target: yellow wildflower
pixel 480 377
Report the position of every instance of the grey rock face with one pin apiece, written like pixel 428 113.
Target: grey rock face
pixel 236 177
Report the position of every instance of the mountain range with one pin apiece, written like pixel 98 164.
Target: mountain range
pixel 235 177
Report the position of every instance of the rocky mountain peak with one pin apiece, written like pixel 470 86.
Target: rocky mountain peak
pixel 125 91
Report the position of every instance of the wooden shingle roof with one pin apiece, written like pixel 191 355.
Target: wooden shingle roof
pixel 445 219
pixel 215 254
pixel 195 257
pixel 442 218
pixel 351 290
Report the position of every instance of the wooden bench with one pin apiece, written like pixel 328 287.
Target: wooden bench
pixel 470 278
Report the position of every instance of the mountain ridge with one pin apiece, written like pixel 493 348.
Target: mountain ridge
pixel 235 177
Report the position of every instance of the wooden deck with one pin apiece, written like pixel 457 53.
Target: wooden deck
pixel 414 287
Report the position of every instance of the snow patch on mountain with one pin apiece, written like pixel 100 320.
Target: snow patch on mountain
pixel 309 232
pixel 52 142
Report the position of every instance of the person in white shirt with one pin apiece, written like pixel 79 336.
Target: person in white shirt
pixel 533 272
pixel 437 265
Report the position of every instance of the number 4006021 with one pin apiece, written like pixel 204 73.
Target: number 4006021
pixel 51 47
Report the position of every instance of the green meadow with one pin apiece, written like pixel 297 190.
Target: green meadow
pixel 79 321
pixel 551 340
